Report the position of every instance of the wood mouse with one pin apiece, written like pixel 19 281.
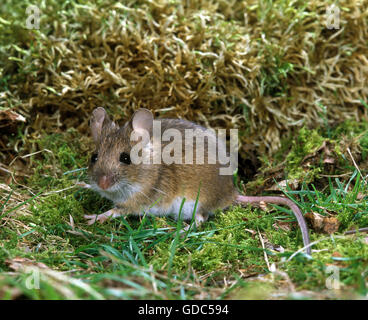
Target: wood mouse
pixel 159 189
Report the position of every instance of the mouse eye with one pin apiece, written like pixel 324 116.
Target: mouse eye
pixel 125 158
pixel 94 158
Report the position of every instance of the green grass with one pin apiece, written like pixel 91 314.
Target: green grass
pixel 47 251
pixel 146 258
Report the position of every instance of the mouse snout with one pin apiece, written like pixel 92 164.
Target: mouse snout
pixel 105 182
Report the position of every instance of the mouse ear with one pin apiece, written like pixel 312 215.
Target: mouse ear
pixel 142 120
pixel 99 119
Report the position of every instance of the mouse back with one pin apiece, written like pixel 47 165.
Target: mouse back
pixel 116 175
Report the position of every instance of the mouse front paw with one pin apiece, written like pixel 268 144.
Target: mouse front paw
pixel 82 184
pixel 91 219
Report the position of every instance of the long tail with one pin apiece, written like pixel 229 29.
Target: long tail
pixel 285 201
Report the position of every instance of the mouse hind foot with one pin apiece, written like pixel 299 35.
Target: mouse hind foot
pixel 199 218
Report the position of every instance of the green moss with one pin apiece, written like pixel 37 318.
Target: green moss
pixel 66 149
pixel 55 209
pixel 347 255
pixel 307 142
pixel 211 251
pixel 229 242
pixel 273 79
pixel 363 141
pixel 253 291
pixel 253 185
pixel 355 132
pixel 354 129
pixel 350 128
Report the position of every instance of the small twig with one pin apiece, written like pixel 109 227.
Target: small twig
pixel 28 155
pixel 154 283
pixel 356 231
pixel 355 165
pixel 58 191
pixel 3 169
pixel 312 244
pixel 82 185
pixel 336 175
pixel 264 250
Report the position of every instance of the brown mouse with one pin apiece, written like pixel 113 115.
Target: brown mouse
pixel 159 188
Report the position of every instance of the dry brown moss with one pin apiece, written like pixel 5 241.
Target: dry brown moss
pixel 253 65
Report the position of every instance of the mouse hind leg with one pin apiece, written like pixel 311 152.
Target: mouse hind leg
pixel 200 217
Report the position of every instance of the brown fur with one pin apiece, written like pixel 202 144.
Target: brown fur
pixel 161 184
pixel 174 180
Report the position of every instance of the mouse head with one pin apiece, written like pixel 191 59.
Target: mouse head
pixel 111 170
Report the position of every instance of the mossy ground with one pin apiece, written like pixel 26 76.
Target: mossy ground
pixel 261 66
pixel 145 258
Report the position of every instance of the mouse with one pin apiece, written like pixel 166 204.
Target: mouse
pixel 122 169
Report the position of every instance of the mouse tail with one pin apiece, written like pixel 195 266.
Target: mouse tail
pixel 255 200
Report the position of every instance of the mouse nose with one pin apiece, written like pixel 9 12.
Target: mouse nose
pixel 105 182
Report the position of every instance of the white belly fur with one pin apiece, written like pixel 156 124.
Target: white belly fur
pixel 174 209
pixel 120 192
